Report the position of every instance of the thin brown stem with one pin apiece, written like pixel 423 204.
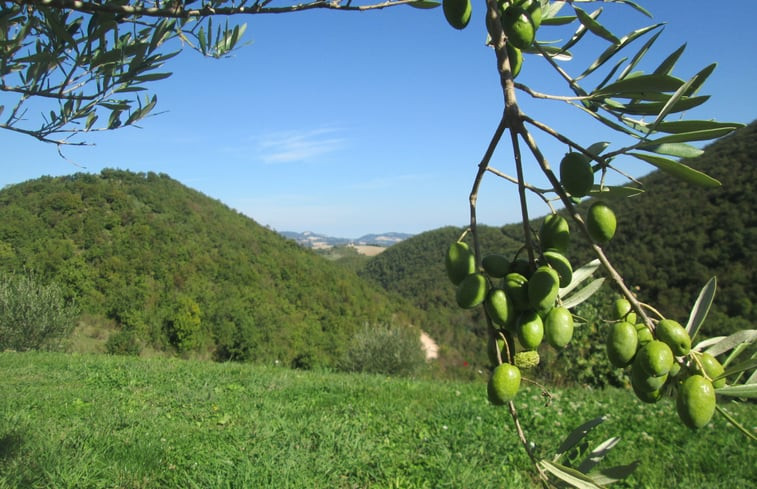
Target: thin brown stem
pixel 181 12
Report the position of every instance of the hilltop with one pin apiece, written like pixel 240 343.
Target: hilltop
pixel 181 272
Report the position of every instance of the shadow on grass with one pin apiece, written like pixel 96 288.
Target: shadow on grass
pixel 10 443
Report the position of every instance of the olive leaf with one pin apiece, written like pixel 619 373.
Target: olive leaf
pixel 747 391
pixel 424 4
pixel 668 63
pixel 614 193
pixel 729 342
pixel 679 170
pixel 569 475
pixel 677 127
pixel 701 307
pixel 589 21
pixel 577 435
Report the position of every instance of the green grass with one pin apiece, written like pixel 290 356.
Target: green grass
pixel 92 421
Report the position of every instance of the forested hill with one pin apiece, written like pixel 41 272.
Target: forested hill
pixel 184 272
pixel 670 241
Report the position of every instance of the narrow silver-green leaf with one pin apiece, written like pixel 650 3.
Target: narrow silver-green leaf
pixel 641 84
pixel 562 20
pixel 571 476
pixel 660 108
pixel 639 55
pixel 701 307
pixel 580 32
pixel 699 79
pixel 579 275
pixel 424 4
pixel 676 127
pixel 612 50
pixel 668 63
pixel 595 27
pixel 637 7
pixel 679 170
pixel 577 435
pixel 583 294
pixel 747 391
pixel 685 137
pixel 674 99
pixel 729 342
pixel 681 150
pixel 597 148
pixel 598 454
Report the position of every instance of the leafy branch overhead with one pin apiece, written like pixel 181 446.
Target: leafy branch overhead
pixel 80 66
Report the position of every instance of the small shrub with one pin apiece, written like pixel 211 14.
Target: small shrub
pixel 33 316
pixel 385 349
pixel 123 342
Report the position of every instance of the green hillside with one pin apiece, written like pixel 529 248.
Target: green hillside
pixel 181 272
pixel 670 241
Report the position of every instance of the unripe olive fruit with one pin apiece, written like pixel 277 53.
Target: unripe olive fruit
pixel 543 288
pixel 645 336
pixel 503 384
pixel 516 287
pixel 576 174
pixel 695 401
pixel 495 265
pixel 621 343
pixel 459 262
pixel 500 307
pixel 554 233
pixel 515 56
pixel 518 27
pixel 620 308
pixel 713 368
pixel 561 265
pixel 530 330
pixel 601 222
pixel 471 291
pixel 457 12
pixel 646 396
pixel 533 7
pixel 674 335
pixel 558 327
pixel 655 358
pixel 521 266
pixel 644 381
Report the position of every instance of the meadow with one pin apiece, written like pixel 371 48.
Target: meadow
pixel 97 421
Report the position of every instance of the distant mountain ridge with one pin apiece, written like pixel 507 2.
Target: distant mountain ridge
pixel 310 239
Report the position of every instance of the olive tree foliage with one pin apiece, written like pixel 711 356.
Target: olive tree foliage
pixel 94 60
pixel 33 316
pixel 75 66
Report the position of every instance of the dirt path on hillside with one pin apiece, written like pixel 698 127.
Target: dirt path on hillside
pixel 429 346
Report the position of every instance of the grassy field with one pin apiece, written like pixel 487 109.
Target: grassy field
pixel 94 421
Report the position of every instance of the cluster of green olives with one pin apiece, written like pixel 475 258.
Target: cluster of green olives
pixel 521 300
pixel 662 359
pixel 520 20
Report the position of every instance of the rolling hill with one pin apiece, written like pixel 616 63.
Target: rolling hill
pixel 181 272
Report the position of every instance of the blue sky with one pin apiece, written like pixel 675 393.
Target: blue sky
pixel 351 123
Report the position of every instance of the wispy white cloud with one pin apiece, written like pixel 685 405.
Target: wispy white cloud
pixel 297 146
